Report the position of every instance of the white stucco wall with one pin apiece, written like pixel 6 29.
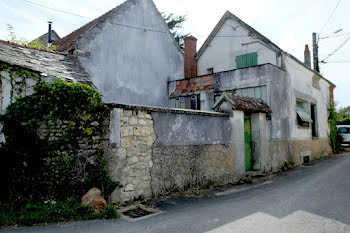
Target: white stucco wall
pixel 129 65
pixel 302 89
pixel 223 49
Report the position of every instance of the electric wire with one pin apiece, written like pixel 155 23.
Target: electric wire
pixel 336 50
pixel 334 36
pixel 50 8
pixel 329 17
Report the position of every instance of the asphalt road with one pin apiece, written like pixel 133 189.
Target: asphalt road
pixel 307 199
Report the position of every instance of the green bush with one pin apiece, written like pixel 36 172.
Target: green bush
pixel 335 138
pixel 49 211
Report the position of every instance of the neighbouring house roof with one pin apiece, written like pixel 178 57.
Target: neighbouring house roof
pixel 43 39
pixel 246 104
pixel 67 43
pixel 49 63
pixel 269 43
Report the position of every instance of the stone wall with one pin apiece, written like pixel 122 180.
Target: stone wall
pixel 129 153
pixel 156 151
pixel 177 168
pixel 283 153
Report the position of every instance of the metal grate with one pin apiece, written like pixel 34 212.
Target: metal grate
pixel 137 213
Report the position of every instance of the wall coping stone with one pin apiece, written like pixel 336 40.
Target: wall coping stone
pixel 166 110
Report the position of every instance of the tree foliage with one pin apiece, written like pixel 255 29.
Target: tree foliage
pixel 175 24
pixel 343 114
pixel 12 37
pixel 335 138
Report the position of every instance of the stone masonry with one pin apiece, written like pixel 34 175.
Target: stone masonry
pixel 129 163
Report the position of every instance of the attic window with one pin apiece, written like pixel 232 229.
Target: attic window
pixel 247 60
pixel 302 115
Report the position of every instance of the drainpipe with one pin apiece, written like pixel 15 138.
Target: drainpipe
pixel 49 37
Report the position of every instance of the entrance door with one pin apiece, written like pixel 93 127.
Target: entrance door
pixel 248 142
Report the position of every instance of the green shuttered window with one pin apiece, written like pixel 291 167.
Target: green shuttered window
pixel 247 60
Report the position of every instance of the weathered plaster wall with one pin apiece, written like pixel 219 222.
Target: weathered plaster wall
pixel 278 93
pixel 129 65
pixel 290 153
pixel 153 152
pixel 6 87
pixel 303 88
pixel 223 49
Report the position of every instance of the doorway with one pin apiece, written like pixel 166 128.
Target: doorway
pixel 248 143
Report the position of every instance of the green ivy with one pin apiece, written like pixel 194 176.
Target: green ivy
pixel 45 133
pixel 335 138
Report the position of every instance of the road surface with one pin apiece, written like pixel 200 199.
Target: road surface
pixel 308 199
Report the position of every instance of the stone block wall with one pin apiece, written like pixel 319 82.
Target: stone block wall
pixel 130 156
pixel 148 155
pixel 177 168
pixel 282 153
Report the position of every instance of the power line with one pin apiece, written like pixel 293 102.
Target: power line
pixel 123 25
pixel 337 49
pixel 337 61
pixel 50 8
pixel 330 17
pixel 333 36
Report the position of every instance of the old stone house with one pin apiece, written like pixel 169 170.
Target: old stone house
pixel 237 59
pixel 129 53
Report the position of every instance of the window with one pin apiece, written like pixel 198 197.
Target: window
pixel 186 102
pixel 314 120
pixel 303 116
pixel 343 130
pixel 210 70
pixel 256 92
pixel 247 60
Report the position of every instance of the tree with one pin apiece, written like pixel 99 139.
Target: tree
pixel 22 41
pixel 174 23
pixel 343 114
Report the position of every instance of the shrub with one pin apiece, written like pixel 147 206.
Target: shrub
pixel 36 166
pixel 335 138
pixel 49 211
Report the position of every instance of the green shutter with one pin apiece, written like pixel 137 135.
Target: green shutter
pixel 247 60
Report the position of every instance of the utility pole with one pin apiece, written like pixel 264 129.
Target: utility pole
pixel 315 52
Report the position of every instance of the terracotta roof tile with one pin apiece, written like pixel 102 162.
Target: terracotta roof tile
pixel 246 104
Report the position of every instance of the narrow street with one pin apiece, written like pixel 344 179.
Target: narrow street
pixel 313 198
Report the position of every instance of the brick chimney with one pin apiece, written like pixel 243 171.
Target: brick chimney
pixel 190 60
pixel 307 56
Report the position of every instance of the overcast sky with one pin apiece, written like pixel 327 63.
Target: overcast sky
pixel 287 23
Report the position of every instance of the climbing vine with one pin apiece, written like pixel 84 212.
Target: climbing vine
pixel 335 138
pixel 53 140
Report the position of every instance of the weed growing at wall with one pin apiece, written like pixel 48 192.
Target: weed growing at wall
pixel 49 211
pixel 335 138
pixel 53 146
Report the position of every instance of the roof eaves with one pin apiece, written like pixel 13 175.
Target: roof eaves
pixel 308 68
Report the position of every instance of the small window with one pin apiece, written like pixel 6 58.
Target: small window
pixel 247 60
pixel 302 115
pixel 188 102
pixel 210 70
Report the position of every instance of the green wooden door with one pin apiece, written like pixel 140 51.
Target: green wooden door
pixel 247 141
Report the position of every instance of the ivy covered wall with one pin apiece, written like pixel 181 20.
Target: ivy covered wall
pixel 53 138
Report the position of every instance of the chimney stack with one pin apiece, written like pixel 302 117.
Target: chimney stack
pixel 307 56
pixel 190 59
pixel 49 35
